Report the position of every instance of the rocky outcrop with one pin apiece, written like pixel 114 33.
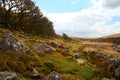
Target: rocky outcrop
pixel 105 63
pixel 8 76
pixel 8 42
pixel 42 47
pixel 54 76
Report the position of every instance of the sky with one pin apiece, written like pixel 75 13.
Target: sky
pixel 83 18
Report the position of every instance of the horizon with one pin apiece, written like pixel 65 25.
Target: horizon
pixel 112 35
pixel 83 18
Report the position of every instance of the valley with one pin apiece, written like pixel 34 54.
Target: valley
pixel 34 58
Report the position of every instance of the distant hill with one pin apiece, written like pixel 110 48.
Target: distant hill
pixel 115 38
pixel 112 36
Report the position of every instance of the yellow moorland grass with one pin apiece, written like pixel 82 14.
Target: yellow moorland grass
pixel 23 64
pixel 101 47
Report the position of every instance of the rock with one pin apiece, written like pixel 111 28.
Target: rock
pixel 62 47
pixel 54 44
pixel 105 79
pixel 42 47
pixel 117 73
pixel 54 76
pixel 49 64
pixel 117 49
pixel 36 75
pixel 49 50
pixel 65 52
pixel 8 76
pixel 57 45
pixel 76 55
pixel 80 61
pixel 10 43
pixel 32 40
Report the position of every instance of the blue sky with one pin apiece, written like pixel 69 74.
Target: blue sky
pixel 113 20
pixel 62 6
pixel 83 18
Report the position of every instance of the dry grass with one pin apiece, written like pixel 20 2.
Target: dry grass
pixel 101 47
pixel 112 36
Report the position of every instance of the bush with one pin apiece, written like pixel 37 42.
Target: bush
pixel 66 37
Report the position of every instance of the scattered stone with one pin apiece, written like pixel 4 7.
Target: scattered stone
pixel 117 49
pixel 49 64
pixel 36 75
pixel 8 76
pixel 42 47
pixel 65 52
pixel 117 73
pixel 80 61
pixel 57 45
pixel 49 50
pixel 54 76
pixel 10 43
pixel 105 79
pixel 62 47
pixel 32 40
pixel 76 55
pixel 54 44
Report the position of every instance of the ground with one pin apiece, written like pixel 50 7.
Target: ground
pixel 69 67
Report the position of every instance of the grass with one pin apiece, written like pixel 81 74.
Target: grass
pixel 23 64
pixel 69 69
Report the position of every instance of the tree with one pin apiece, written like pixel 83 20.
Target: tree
pixel 66 37
pixel 26 16
pixel 8 6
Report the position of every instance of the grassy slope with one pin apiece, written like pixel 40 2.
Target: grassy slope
pixel 23 64
pixel 115 38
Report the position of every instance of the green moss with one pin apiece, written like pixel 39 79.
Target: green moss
pixel 68 68
pixel 1 34
pixel 23 64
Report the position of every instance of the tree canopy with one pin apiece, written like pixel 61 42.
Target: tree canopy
pixel 26 16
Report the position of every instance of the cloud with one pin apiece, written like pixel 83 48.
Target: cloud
pixel 111 4
pixel 90 22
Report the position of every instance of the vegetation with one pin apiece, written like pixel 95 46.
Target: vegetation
pixel 66 37
pixel 23 64
pixel 24 15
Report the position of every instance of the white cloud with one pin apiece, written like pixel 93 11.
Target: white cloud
pixel 106 3
pixel 89 22
pixel 111 3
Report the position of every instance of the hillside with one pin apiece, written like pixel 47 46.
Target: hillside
pixel 31 50
pixel 60 55
pixel 35 57
pixel 112 36
pixel 115 38
pixel 104 52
